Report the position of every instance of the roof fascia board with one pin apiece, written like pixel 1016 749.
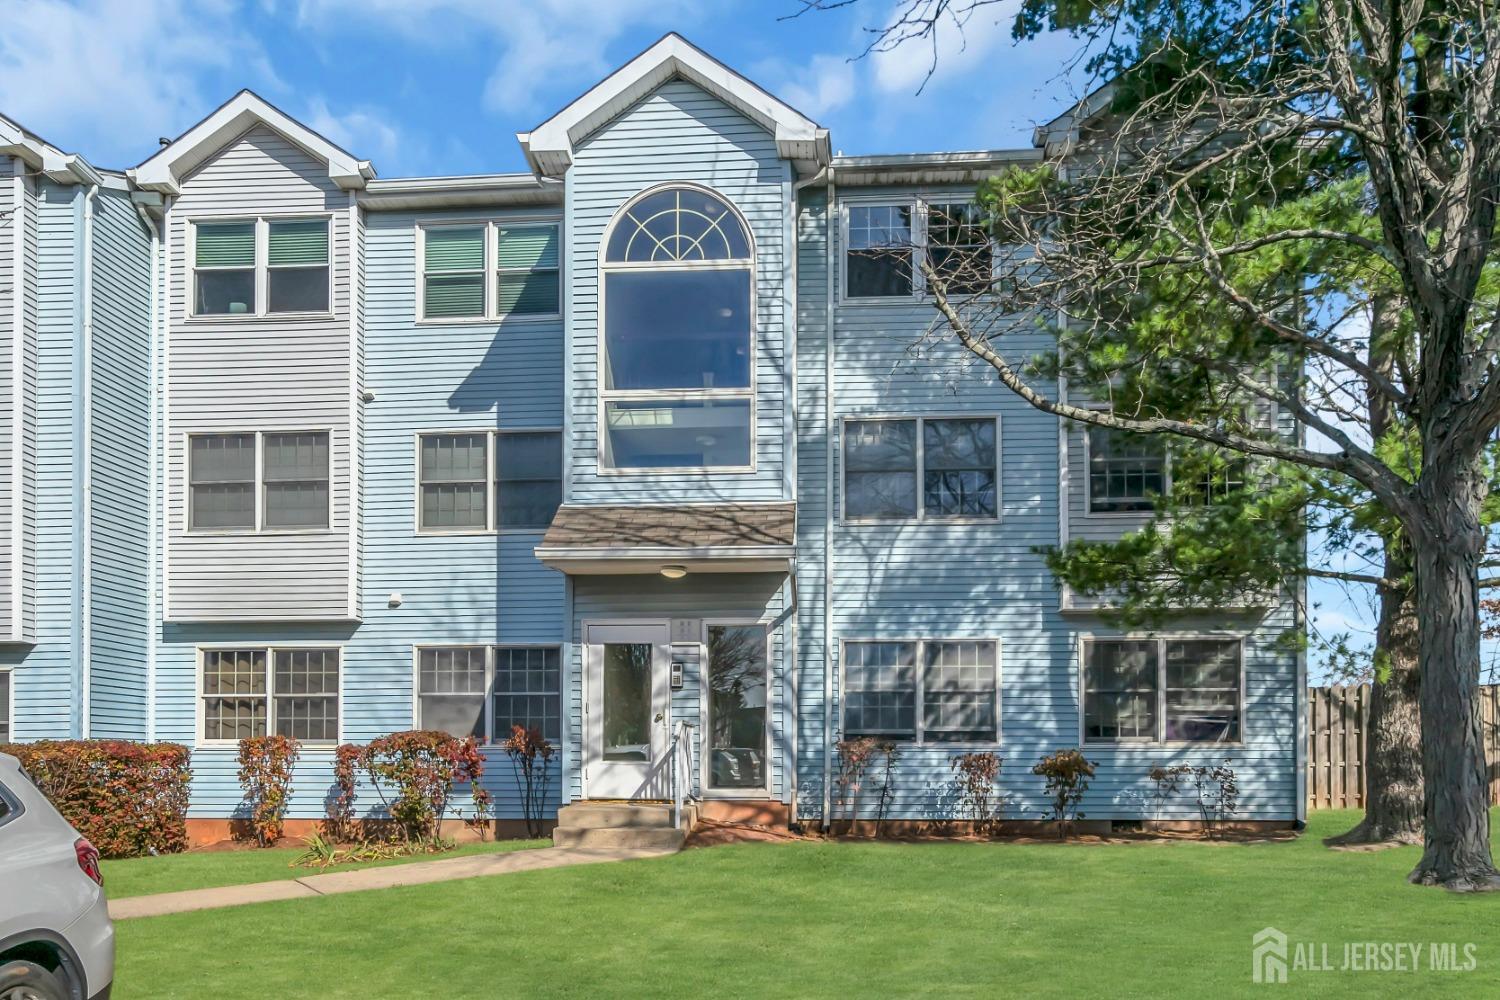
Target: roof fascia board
pixel 164 171
pixel 549 147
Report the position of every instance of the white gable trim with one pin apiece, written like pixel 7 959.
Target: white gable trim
pixel 549 146
pixel 164 171
pixel 64 168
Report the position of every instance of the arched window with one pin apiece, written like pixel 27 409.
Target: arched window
pixel 678 376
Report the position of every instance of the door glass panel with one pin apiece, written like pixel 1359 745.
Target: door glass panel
pixel 627 701
pixel 737 706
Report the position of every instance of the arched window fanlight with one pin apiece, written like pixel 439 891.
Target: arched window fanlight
pixel 678 225
pixel 677 382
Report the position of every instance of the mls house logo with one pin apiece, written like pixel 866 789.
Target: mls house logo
pixel 1268 956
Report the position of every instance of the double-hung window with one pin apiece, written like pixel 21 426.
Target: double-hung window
pixel 887 242
pixel 677 359
pixel 490 270
pixel 921 467
pixel 1162 690
pixel 258 481
pixel 261 267
pixel 931 690
pixel 484 691
pixel 457 477
pixel 256 691
pixel 1126 471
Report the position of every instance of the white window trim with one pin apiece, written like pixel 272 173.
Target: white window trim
pixel 492 499
pixel 1161 639
pixel 919 730
pixel 603 396
pixel 921 457
pixel 200 696
pixel 260 484
pixel 919 204
pixel 705 764
pixel 490 658
pixel 492 313
pixel 1088 485
pixel 262 268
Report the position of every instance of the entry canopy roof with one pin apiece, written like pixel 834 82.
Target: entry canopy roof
pixel 587 539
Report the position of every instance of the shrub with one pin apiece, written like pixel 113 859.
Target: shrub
pixel 266 764
pixel 529 754
pixel 1218 794
pixel 855 759
pixel 1067 773
pixel 975 774
pixel 1168 780
pixel 419 768
pixel 127 798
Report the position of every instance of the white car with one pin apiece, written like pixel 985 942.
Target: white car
pixel 56 939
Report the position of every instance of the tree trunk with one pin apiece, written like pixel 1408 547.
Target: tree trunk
pixel 1393 733
pixel 1449 542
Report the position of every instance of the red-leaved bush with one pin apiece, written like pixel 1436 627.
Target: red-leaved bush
pixel 127 798
pixel 529 754
pixel 266 764
pixel 418 768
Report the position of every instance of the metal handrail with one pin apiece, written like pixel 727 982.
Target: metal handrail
pixel 680 763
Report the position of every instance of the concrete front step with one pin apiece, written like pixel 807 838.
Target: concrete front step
pixel 601 815
pixel 634 838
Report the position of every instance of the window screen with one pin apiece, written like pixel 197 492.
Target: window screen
pixel 453 272
pixel 1203 690
pixel 880 468
pixel 880 689
pixel 958 690
pixel 958 246
pixel 1120 689
pixel 224 268
pixel 296 480
pixel 297 266
pixel 527 282
pixel 454 481
pixel 450 694
pixel 878 263
pixel 528 474
pixel 528 691
pixel 958 468
pixel 221 477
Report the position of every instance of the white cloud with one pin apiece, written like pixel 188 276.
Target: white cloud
pixel 118 74
pixel 364 132
pixel 542 43
pixel 822 85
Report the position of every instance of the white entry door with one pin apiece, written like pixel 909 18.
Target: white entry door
pixel 628 702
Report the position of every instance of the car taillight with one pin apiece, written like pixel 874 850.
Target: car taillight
pixel 88 859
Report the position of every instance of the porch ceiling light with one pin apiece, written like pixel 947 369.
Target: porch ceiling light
pixel 674 572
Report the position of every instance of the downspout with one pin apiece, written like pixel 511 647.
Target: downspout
pixel 828 500
pixel 83 491
pixel 825 175
pixel 152 358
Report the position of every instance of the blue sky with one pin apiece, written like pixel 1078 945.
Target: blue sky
pixel 441 86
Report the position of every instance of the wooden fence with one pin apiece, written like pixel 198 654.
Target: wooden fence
pixel 1336 744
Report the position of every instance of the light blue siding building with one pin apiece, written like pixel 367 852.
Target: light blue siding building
pixel 633 448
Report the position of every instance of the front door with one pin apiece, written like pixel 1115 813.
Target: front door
pixel 627 714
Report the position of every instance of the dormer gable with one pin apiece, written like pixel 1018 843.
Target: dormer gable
pixel 549 147
pixel 165 170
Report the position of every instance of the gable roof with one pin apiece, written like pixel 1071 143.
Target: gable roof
pixel 549 146
pixel 164 171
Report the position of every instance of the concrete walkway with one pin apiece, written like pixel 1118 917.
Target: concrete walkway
pixel 390 876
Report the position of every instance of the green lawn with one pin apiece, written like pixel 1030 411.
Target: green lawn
pixel 809 919
pixel 199 870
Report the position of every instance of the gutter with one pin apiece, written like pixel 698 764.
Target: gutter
pixel 153 357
